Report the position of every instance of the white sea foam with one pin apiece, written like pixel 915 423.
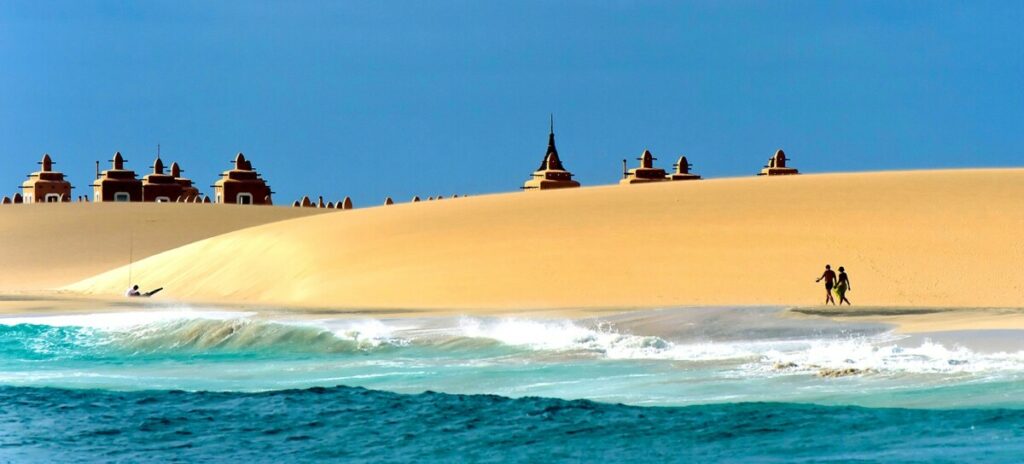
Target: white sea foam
pixel 603 339
pixel 875 353
pixel 371 332
pixel 883 356
pixel 881 353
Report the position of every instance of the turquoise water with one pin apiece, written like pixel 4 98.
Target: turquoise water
pixel 710 383
pixel 357 425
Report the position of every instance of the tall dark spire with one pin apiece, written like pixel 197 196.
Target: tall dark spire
pixel 551 136
pixel 551 160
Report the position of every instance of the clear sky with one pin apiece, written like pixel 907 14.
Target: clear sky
pixel 397 98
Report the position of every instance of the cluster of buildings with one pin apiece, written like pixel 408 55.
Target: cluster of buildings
pixel 240 185
pixel 552 173
pixel 306 202
pixel 244 186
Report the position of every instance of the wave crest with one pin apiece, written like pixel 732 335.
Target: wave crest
pixel 205 335
pixel 188 335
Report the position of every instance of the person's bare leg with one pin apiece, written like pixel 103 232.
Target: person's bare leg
pixel 828 297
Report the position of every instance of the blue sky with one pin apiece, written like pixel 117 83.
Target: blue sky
pixel 400 98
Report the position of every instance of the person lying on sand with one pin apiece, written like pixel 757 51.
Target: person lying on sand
pixel 830 277
pixel 134 291
pixel 843 286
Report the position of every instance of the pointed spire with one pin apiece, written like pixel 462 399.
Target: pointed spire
pixel 158 165
pixel 47 163
pixel 551 160
pixel 175 169
pixel 551 136
pixel 118 161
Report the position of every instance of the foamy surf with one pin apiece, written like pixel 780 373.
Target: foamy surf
pixel 606 360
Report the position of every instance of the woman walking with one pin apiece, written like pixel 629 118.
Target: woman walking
pixel 843 286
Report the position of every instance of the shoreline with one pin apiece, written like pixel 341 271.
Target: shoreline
pixel 908 320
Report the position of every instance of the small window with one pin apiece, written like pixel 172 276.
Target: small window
pixel 163 199
pixel 244 199
pixel 122 197
pixel 52 198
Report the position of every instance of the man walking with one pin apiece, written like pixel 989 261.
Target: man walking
pixel 830 277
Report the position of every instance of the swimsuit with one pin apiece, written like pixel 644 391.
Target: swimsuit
pixel 841 286
pixel 829 282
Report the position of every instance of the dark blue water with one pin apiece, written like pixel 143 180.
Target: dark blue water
pixel 359 425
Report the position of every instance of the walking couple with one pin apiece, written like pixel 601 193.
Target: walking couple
pixel 841 284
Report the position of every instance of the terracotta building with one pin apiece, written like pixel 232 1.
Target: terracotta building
pixel 159 187
pixel 777 166
pixel 551 174
pixel 645 173
pixel 683 170
pixel 46 185
pixel 242 185
pixel 188 191
pixel 117 184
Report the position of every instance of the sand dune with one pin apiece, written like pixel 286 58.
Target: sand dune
pixel 938 238
pixel 51 245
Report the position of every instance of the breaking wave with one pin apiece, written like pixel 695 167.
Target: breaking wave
pixel 211 333
pixel 183 333
pixel 870 353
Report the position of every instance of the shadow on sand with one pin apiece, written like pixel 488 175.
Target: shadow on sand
pixel 866 312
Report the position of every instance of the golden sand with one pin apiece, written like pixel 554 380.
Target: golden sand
pixel 916 238
pixel 44 246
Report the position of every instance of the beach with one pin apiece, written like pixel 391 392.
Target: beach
pixel 696 297
pixel 926 250
pixel 916 238
pixel 658 309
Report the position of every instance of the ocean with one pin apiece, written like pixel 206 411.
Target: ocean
pixel 675 385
